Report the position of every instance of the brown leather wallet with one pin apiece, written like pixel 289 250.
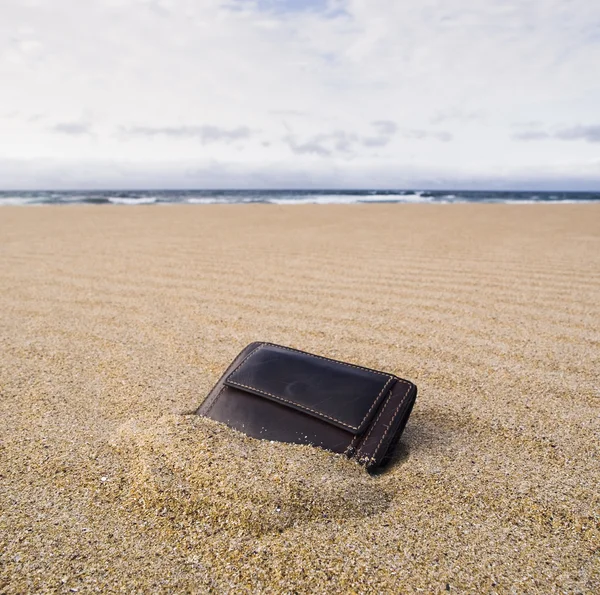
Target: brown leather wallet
pixel 279 393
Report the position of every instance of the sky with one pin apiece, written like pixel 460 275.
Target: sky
pixel 471 94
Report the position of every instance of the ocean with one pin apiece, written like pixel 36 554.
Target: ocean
pixel 287 197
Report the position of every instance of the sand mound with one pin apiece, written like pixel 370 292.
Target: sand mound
pixel 187 467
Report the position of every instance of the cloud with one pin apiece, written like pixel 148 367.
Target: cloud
pixel 285 6
pixel 160 8
pixel 590 134
pixel 71 128
pixel 288 112
pixel 531 135
pixel 376 141
pixel 384 131
pixel 324 145
pixel 341 142
pixel 311 147
pixel 385 127
pixel 439 135
pixel 457 114
pixel 205 134
pixel 346 143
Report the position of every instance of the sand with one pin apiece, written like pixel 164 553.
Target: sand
pixel 116 321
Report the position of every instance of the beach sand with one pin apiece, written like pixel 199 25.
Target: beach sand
pixel 116 321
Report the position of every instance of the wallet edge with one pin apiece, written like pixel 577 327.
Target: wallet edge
pixel 213 394
pixel 388 426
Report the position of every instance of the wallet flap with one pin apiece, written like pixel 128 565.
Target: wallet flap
pixel 341 394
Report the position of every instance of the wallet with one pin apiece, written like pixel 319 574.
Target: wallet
pixel 283 394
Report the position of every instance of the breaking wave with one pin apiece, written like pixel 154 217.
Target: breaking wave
pixel 287 197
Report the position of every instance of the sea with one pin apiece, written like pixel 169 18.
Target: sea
pixel 286 197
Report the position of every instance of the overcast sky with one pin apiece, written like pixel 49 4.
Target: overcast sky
pixel 300 93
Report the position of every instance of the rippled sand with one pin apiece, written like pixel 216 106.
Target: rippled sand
pixel 115 322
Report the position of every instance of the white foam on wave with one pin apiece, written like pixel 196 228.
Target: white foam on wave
pixel 119 200
pixel 206 201
pixel 17 201
pixel 564 201
pixel 314 200
pixel 336 199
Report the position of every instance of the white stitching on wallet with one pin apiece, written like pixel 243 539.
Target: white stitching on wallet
pixel 231 382
pixel 360 450
pixel 374 456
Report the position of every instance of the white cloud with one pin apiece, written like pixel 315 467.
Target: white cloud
pixel 205 134
pixel 591 134
pixel 75 128
pixel 282 91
